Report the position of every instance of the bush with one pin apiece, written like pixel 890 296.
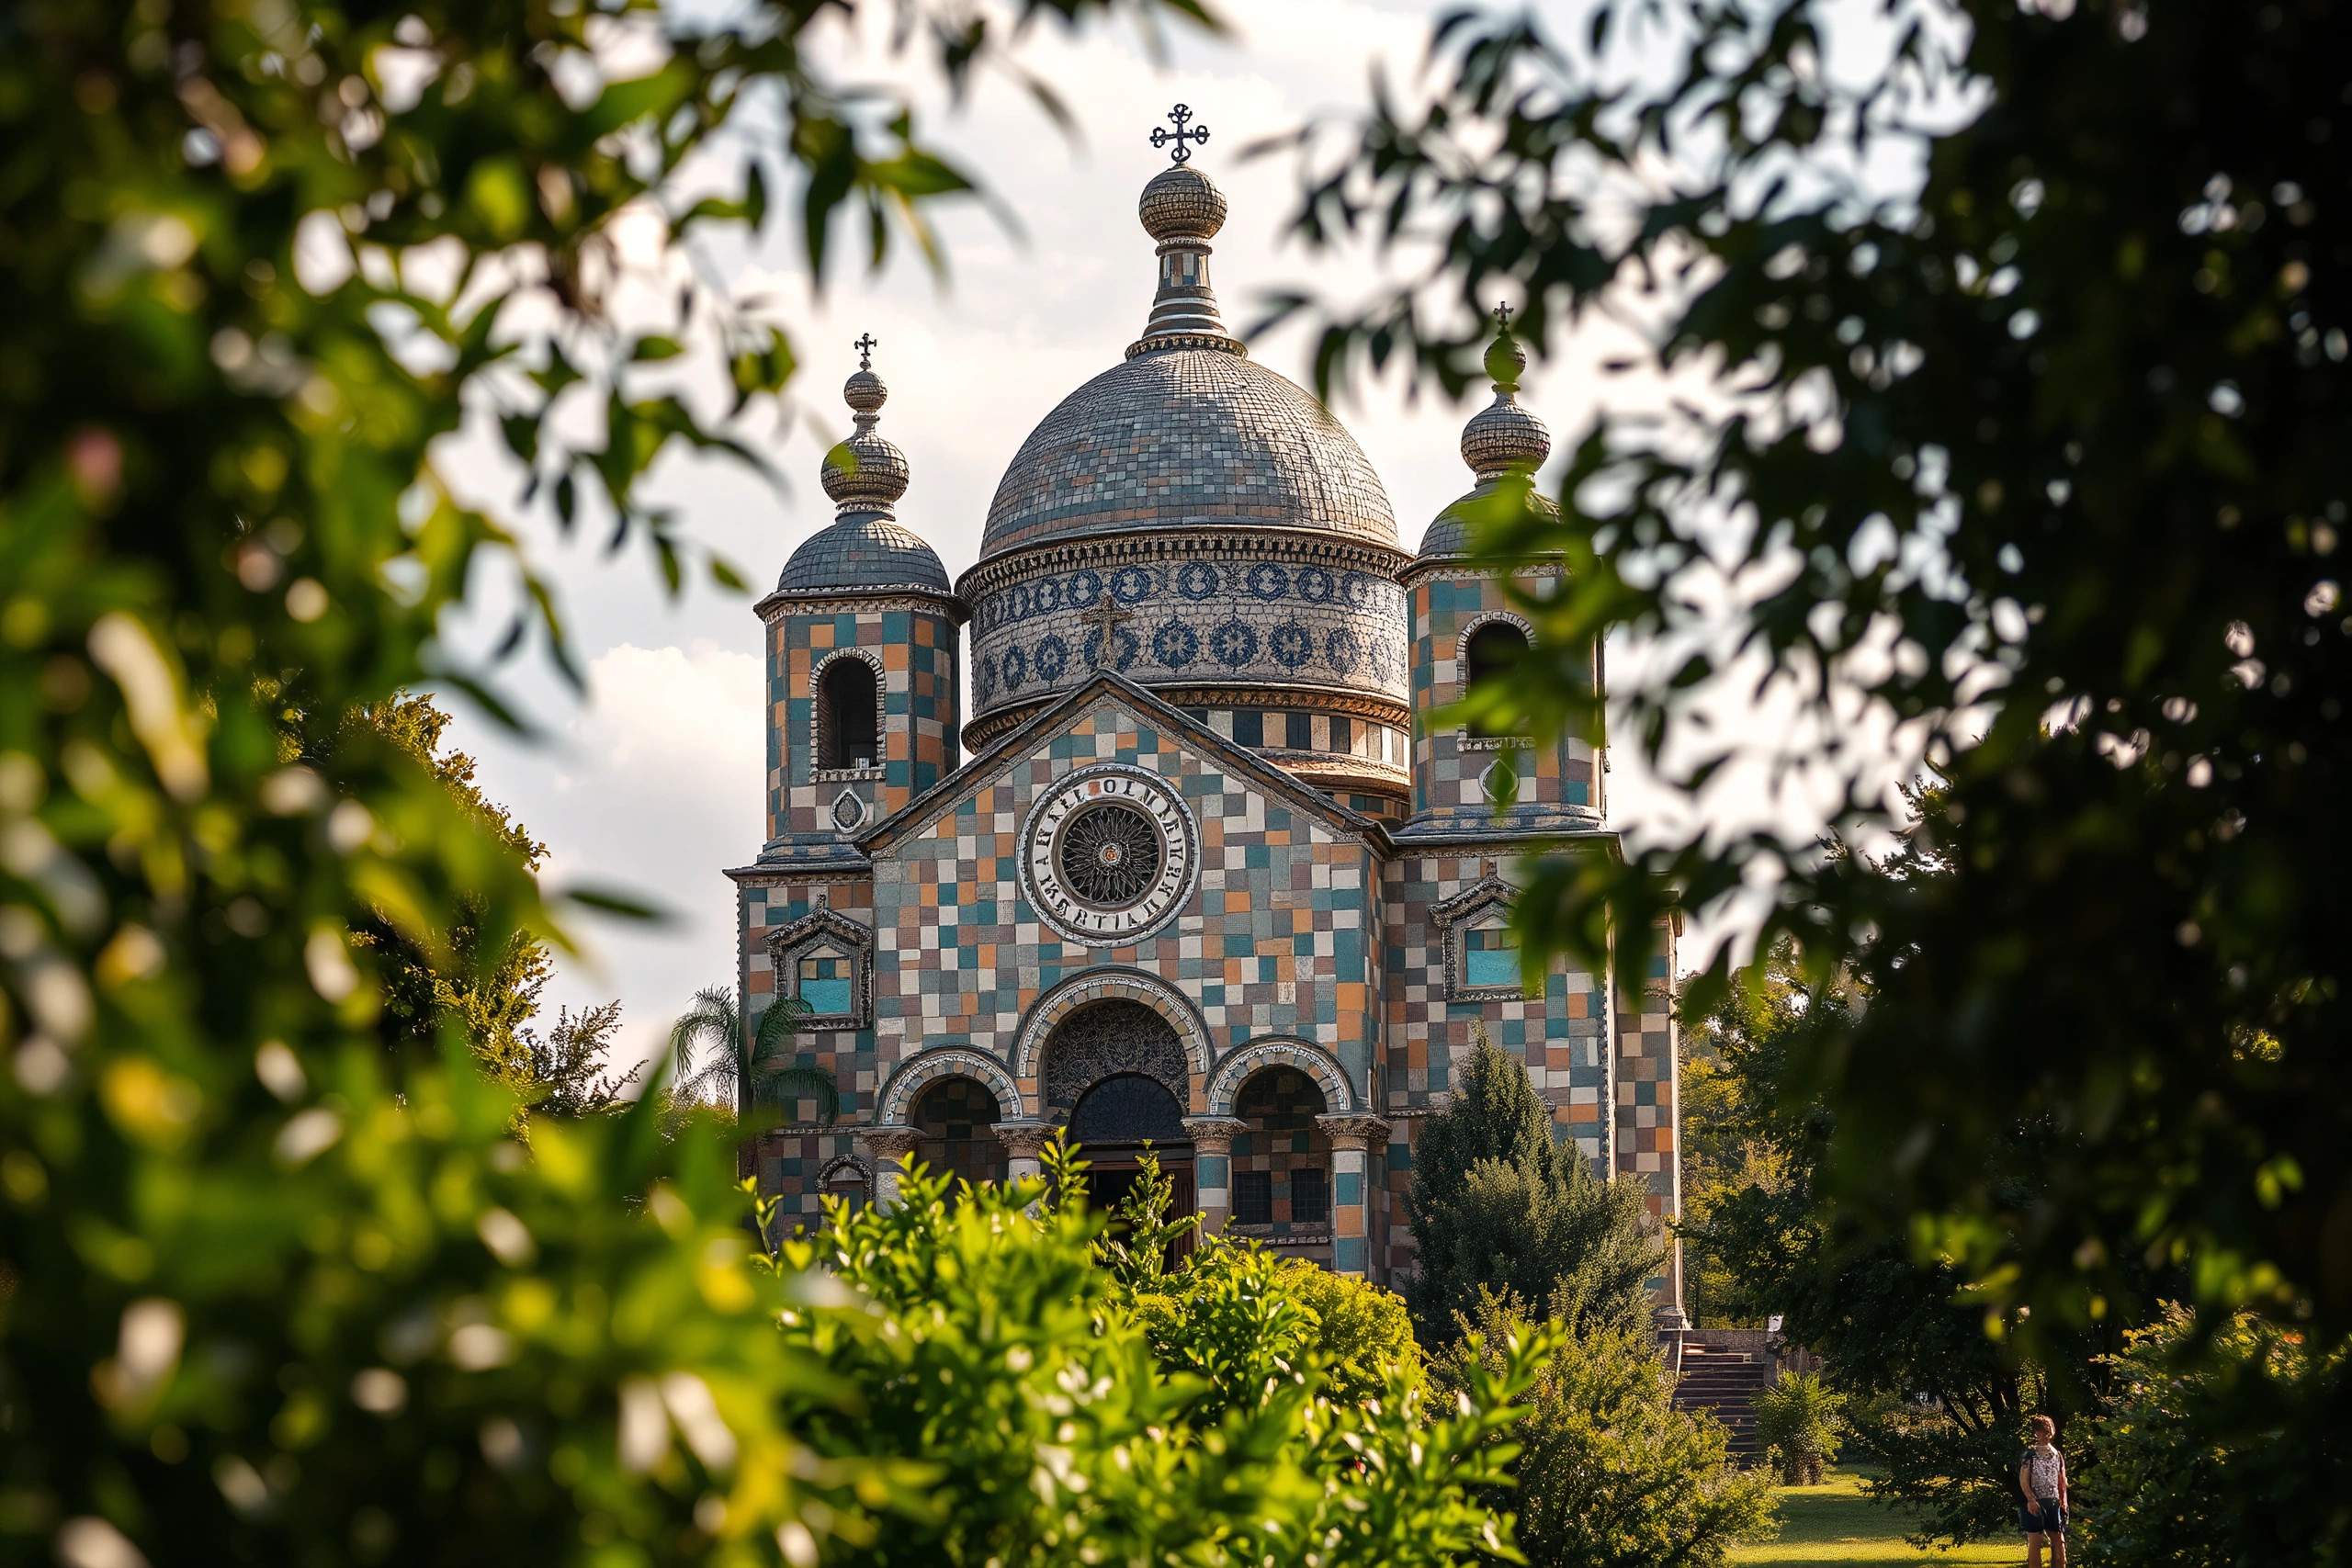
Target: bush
pixel 1797 1421
pixel 1042 1407
pixel 2214 1453
pixel 1610 1475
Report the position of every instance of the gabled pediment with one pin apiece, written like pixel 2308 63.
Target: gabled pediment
pixel 1034 740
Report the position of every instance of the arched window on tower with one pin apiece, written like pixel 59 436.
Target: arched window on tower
pixel 846 708
pixel 1494 649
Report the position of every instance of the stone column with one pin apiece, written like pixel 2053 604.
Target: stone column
pixel 1213 1167
pixel 1022 1141
pixel 1354 1137
pixel 886 1146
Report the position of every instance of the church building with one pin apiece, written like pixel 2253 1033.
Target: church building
pixel 1199 866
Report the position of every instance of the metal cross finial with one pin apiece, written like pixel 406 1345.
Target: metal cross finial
pixel 1162 136
pixel 1503 316
pixel 1105 616
pixel 866 347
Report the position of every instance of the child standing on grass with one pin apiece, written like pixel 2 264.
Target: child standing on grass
pixel 2042 1479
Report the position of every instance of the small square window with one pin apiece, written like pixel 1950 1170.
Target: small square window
pixel 1310 1196
pixel 1253 1197
pixel 824 985
pixel 1489 958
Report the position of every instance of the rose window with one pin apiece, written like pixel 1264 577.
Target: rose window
pixel 1110 854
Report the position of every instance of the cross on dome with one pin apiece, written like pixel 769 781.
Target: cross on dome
pixel 1162 136
pixel 865 345
pixel 1106 617
pixel 1502 315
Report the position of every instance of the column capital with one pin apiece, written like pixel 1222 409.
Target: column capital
pixel 1214 1134
pixel 887 1145
pixel 1353 1130
pixel 1024 1140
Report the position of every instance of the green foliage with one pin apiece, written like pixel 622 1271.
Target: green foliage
pixel 1947 1399
pixel 1610 1475
pixel 1797 1422
pixel 2054 433
pixel 1061 1415
pixel 2203 1449
pixel 282 1286
pixel 709 1055
pixel 1237 1316
pixel 569 1072
pixel 1499 1206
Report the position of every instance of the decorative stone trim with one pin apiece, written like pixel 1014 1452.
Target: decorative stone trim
pixel 822 925
pixel 1244 1062
pixel 838 602
pixel 817 716
pixel 919 1072
pixel 1206 538
pixel 887 1146
pixel 1483 618
pixel 984 731
pixel 1214 1134
pixel 1024 1140
pixel 840 1163
pixel 1448 569
pixel 1352 1132
pixel 1108 985
pixel 1456 916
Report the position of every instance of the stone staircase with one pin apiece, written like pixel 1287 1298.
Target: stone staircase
pixel 1723 1380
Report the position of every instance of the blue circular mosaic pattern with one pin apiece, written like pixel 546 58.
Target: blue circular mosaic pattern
pixel 1234 643
pixel 1315 585
pixel 1291 645
pixel 1339 650
pixel 1082 589
pixel 1133 585
pixel 1015 667
pixel 1196 581
pixel 1175 644
pixel 1268 581
pixel 1053 657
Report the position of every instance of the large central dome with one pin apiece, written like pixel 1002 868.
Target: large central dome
pixel 1187 435
pixel 1200 524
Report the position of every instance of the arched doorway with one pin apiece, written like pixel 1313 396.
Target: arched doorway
pixel 1115 1074
pixel 1282 1163
pixel 955 1122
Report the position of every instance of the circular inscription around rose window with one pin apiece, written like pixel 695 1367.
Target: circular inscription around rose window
pixel 1108 855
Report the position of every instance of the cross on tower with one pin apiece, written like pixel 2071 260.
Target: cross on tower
pixel 1162 136
pixel 1503 316
pixel 1105 616
pixel 865 345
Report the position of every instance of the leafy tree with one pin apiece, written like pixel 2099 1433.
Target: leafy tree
pixel 1948 1401
pixel 2164 1492
pixel 2037 458
pixel 278 1293
pixel 1609 1473
pixel 1361 1331
pixel 1499 1205
pixel 1050 1426
pixel 709 1055
pixel 1797 1421
pixel 569 1071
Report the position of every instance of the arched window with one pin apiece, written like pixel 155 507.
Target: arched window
pixel 846 736
pixel 1494 649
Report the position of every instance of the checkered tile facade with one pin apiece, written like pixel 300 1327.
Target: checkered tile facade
pixel 916 650
pixel 1456 774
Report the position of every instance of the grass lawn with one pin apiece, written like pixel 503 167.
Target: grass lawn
pixel 1832 1524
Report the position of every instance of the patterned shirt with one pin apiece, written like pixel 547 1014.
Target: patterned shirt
pixel 2046 1468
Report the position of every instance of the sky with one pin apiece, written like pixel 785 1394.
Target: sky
pixel 652 782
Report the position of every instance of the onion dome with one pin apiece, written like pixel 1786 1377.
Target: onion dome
pixel 1501 440
pixel 865 475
